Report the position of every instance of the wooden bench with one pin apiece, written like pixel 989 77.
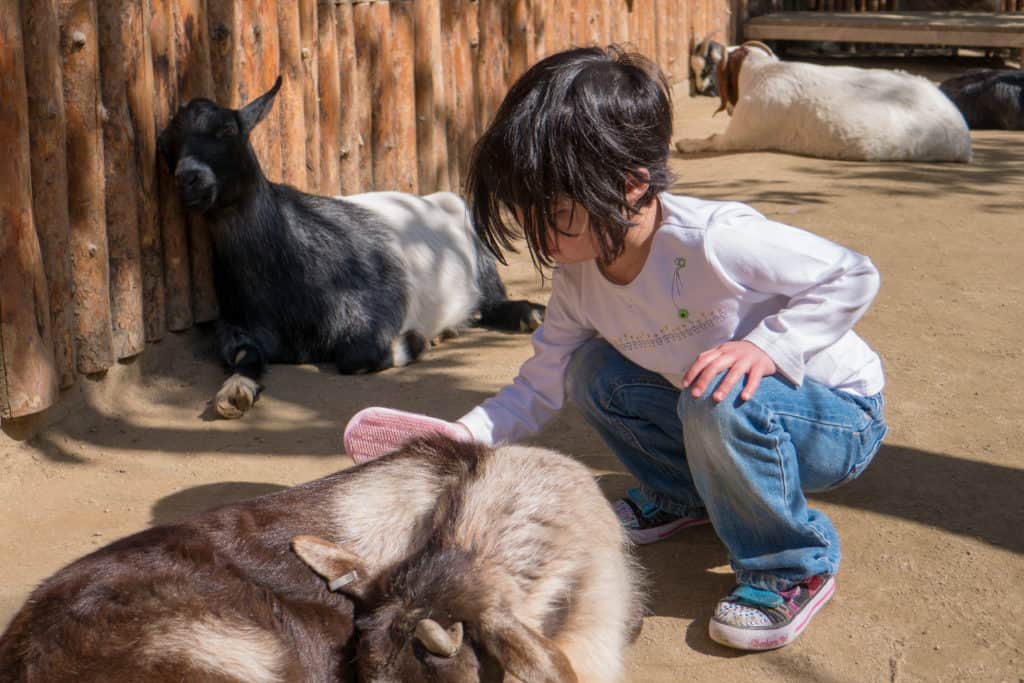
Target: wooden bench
pixel 948 29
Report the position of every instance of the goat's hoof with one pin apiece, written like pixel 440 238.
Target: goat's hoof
pixel 689 146
pixel 236 396
pixel 533 318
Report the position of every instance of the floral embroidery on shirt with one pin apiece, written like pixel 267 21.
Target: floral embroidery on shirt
pixel 677 289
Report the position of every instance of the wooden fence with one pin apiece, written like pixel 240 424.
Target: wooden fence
pixel 885 6
pixel 97 258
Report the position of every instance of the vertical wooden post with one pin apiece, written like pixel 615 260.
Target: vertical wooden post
pixel 492 65
pixel 291 98
pixel 119 49
pixel 177 276
pixel 259 58
pixel 430 99
pixel 225 29
pixel 87 210
pixel 140 106
pixel 330 100
pixel 633 12
pixel 540 14
pixel 373 38
pixel 620 22
pixel 351 146
pixel 195 79
pixel 367 78
pixel 46 120
pixel 28 379
pixel 518 40
pixel 310 89
pixel 402 72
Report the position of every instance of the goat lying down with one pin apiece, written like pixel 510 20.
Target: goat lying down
pixel 988 98
pixel 365 282
pixel 832 112
pixel 463 563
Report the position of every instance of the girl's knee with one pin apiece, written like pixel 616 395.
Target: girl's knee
pixel 584 376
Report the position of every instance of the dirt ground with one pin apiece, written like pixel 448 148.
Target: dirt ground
pixel 932 583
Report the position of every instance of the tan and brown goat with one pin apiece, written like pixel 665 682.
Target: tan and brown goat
pixel 469 562
pixel 522 568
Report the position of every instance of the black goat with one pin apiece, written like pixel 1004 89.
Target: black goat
pixel 988 98
pixel 365 282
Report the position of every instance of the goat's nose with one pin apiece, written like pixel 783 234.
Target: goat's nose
pixel 189 178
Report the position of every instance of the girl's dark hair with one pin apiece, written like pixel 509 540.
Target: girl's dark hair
pixel 580 124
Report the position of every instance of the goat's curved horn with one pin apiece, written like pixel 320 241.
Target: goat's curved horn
pixel 437 640
pixel 759 44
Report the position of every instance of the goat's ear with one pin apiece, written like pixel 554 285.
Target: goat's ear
pixel 523 652
pixel 255 111
pixel 343 571
pixel 728 77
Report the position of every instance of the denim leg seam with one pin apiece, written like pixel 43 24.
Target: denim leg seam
pixel 688 507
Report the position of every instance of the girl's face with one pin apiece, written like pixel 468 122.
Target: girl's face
pixel 574 243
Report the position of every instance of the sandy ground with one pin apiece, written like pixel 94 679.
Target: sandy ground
pixel 931 585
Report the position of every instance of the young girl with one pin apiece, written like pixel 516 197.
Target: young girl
pixel 710 347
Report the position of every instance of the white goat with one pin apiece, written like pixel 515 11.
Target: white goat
pixel 832 112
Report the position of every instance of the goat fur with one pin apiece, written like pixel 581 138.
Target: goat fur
pixel 365 282
pixel 988 98
pixel 832 112
pixel 523 558
pixel 518 543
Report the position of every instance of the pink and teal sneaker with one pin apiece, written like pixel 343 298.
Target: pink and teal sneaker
pixel 752 618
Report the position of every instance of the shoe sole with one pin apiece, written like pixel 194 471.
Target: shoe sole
pixel 771 639
pixel 660 533
pixel 372 432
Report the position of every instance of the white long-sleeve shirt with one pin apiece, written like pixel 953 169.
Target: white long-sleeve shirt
pixel 716 272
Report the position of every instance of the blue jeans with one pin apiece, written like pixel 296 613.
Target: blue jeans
pixel 746 463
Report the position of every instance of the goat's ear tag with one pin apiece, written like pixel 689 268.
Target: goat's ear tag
pixel 345 579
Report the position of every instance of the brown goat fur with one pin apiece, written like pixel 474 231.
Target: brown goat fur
pixel 222 597
pixel 216 598
pixel 522 558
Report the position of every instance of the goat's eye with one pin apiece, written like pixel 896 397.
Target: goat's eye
pixel 228 130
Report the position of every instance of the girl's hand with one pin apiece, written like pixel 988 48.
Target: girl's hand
pixel 740 358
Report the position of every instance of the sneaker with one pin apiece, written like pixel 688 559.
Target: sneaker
pixel 372 432
pixel 645 522
pixel 751 618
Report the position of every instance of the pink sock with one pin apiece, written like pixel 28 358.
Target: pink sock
pixel 372 432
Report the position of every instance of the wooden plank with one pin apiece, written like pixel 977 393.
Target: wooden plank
pixel 87 210
pixel 493 59
pixel 431 146
pixel 373 38
pixel 140 105
pixel 966 29
pixel 518 39
pixel 173 233
pixel 540 14
pixel 310 88
pixel 330 100
pixel 195 79
pixel 365 75
pixel 261 44
pixel 291 97
pixel 351 142
pixel 45 83
pixel 225 27
pixel 401 50
pixel 28 378
pixel 119 49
